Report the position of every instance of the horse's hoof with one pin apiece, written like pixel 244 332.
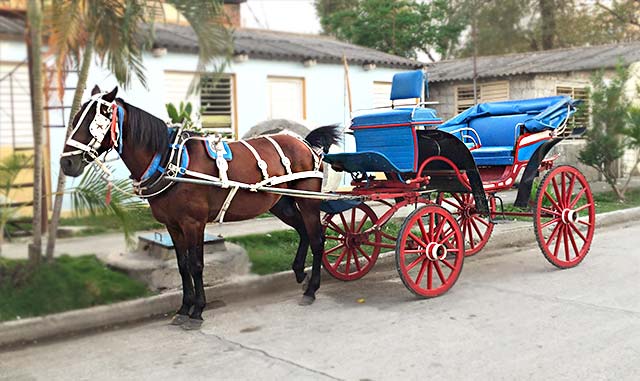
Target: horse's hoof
pixel 301 277
pixel 305 282
pixel 306 300
pixel 192 324
pixel 179 319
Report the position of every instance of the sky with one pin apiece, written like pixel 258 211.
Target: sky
pixel 286 15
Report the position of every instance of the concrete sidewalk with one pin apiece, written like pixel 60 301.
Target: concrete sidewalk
pixel 114 242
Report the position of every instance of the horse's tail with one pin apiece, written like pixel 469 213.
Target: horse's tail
pixel 324 137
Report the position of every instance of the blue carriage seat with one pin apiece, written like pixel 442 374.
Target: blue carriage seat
pixel 386 141
pixel 497 126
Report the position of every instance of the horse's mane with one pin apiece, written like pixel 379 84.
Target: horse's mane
pixel 145 129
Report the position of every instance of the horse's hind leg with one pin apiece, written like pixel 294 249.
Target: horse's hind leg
pixel 182 315
pixel 310 210
pixel 287 211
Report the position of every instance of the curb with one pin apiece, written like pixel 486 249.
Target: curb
pixel 56 325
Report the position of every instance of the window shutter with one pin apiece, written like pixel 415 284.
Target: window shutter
pixel 286 98
pixel 581 118
pixel 381 94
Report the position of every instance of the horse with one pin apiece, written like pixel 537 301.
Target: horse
pixel 185 208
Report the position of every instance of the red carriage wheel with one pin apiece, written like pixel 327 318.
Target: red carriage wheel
pixel 350 251
pixel 565 216
pixel 476 230
pixel 429 251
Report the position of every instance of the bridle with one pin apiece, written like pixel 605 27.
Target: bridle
pixel 99 127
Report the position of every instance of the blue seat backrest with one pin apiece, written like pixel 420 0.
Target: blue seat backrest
pixel 499 130
pixel 396 143
pixel 407 85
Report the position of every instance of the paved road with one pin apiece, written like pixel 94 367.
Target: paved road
pixel 510 316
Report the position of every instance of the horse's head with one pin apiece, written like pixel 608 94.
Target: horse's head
pixel 91 134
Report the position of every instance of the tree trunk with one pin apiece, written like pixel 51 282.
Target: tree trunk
pixel 548 23
pixel 75 106
pixel 34 16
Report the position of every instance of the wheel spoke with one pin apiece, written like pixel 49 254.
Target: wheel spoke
pixel 344 222
pixel 353 220
pixel 573 243
pixel 553 202
pixel 333 237
pixel 328 252
pixel 418 240
pixel 348 262
pixel 429 275
pixel 361 224
pixel 552 212
pixel 425 237
pixel 388 236
pixel 440 273
pixel 340 258
pixel 565 233
pixel 363 254
pixel 476 228
pixel 448 264
pixel 583 207
pixel 446 237
pixel 457 206
pixel 415 262
pixel 560 232
pixel 553 221
pixel 356 261
pixel 481 220
pixel 421 272
pixel 557 192
pixel 432 222
pixel 572 183
pixel 470 230
pixel 584 222
pixel 553 235
pixel 578 196
pixel 578 232
pixel 337 228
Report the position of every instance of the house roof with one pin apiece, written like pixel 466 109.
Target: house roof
pixel 12 26
pixel 273 45
pixel 549 61
pixel 259 43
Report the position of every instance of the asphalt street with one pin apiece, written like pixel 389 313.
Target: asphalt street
pixel 511 316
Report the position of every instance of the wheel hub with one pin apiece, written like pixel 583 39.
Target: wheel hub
pixel 435 251
pixel 569 216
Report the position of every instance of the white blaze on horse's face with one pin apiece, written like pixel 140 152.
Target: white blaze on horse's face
pixel 87 137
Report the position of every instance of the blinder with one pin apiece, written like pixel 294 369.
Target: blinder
pixel 98 128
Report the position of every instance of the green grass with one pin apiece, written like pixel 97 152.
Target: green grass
pixel 108 224
pixel 67 284
pixel 272 252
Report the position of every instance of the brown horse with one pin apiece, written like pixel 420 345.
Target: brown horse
pixel 184 208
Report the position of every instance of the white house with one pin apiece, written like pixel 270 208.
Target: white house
pixel 272 75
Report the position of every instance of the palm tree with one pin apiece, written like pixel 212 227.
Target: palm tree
pixel 119 32
pixel 34 17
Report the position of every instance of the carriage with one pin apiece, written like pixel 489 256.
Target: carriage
pixel 452 172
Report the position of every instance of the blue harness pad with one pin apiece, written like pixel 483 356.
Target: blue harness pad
pixel 211 150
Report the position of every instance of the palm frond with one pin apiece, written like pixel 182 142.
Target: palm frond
pixel 89 198
pixel 206 17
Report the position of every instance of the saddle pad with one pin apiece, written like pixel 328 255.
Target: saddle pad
pixel 211 150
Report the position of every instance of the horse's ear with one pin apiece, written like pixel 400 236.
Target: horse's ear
pixel 112 95
pixel 96 90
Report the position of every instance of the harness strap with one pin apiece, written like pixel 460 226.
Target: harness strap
pixel 285 160
pixel 261 163
pixel 226 204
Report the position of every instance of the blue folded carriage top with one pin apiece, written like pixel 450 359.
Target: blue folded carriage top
pixel 401 116
pixel 546 113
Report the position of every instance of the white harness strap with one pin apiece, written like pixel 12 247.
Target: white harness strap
pixel 223 166
pixel 285 160
pixel 261 163
pixel 226 204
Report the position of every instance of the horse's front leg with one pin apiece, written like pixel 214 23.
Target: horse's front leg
pixel 287 211
pixel 310 210
pixel 188 294
pixel 195 243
